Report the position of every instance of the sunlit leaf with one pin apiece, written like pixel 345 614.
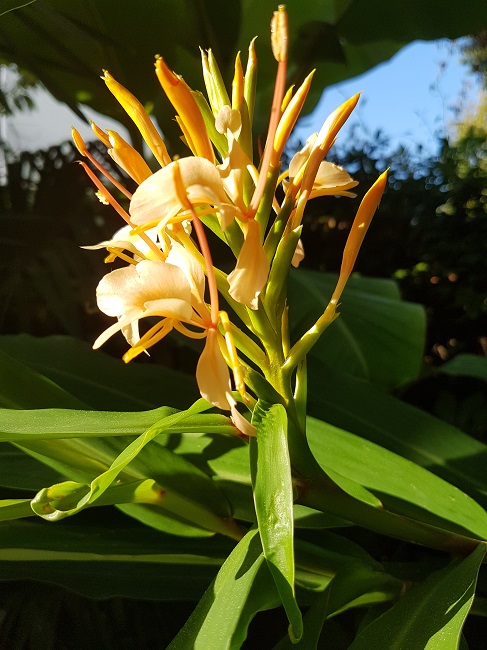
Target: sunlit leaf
pixel 242 587
pixel 403 487
pixel 273 496
pixel 431 615
pixel 358 407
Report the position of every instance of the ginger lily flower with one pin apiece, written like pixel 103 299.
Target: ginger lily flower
pixel 248 278
pixel 150 288
pixel 157 199
pixel 330 179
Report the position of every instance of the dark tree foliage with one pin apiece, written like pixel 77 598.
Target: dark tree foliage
pixel 430 233
pixel 48 210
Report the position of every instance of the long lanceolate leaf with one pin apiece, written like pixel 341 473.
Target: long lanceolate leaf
pixel 241 588
pixel 273 497
pixel 431 615
pixel 124 471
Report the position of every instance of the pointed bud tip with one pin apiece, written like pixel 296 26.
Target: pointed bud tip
pixel 79 143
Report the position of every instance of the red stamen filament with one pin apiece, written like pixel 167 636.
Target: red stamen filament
pixel 116 205
pixel 268 159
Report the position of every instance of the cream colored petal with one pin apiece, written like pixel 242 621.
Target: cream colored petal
pixel 240 422
pixel 333 176
pixel 190 266
pixel 125 240
pixel 212 374
pixel 157 195
pixel 169 307
pixel 130 288
pixel 131 333
pixel 300 158
pixel 232 172
pixel 298 256
pixel 252 269
pixel 228 119
pixel 121 325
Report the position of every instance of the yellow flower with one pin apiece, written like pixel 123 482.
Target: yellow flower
pixel 248 278
pixel 157 199
pixel 171 290
pixel 330 179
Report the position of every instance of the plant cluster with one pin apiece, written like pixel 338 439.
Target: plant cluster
pixel 257 505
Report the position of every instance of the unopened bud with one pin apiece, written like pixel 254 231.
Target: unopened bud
pixel 79 143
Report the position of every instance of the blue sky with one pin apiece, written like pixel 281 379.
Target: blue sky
pixel 410 98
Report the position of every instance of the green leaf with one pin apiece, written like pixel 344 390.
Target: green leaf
pixel 109 555
pixel 402 486
pixel 352 343
pixel 427 23
pixel 22 387
pixel 350 585
pixel 10 5
pixel 21 472
pixel 15 509
pixel 466 365
pixel 49 424
pixel 358 407
pixel 273 497
pixel 431 615
pixel 241 589
pixel 69 497
pixel 96 379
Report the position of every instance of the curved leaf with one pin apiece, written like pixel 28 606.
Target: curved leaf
pixel 431 615
pixel 273 497
pixel 358 407
pixel 415 492
pixel 241 589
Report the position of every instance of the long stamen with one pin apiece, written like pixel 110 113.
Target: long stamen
pixel 116 252
pixel 279 30
pixel 152 336
pixel 187 332
pixel 83 149
pixel 116 205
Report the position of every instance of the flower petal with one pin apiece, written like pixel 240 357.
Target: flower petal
pixel 130 288
pixel 252 269
pixel 212 374
pixel 157 196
